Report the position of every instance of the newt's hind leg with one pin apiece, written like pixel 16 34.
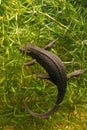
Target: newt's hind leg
pixel 75 73
pixel 30 63
pixel 42 76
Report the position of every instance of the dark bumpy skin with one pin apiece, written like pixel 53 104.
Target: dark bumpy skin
pixel 56 70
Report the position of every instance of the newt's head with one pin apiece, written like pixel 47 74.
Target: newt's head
pixel 26 48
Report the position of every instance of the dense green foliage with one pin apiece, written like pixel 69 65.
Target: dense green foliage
pixel 40 22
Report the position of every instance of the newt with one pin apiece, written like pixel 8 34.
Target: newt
pixel 56 73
